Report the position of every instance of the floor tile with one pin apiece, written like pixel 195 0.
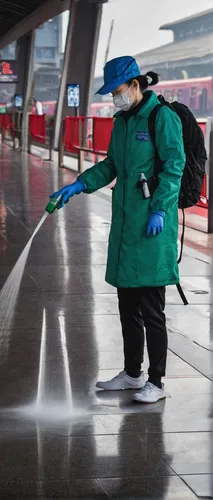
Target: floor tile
pixel 201 484
pixel 190 452
pixel 164 488
pixel 196 288
pixel 21 488
pixel 187 268
pixel 85 279
pixel 84 457
pixel 85 489
pixel 197 329
pixel 176 415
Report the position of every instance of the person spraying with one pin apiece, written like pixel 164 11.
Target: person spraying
pixel 142 251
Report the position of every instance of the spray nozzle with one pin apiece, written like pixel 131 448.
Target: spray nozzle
pixel 53 204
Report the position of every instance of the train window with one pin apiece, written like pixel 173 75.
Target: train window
pixel 192 100
pixel 168 95
pixel 174 95
pixel 95 111
pixel 203 102
pixel 105 112
pixel 180 95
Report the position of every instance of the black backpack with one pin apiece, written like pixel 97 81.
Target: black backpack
pixel 194 146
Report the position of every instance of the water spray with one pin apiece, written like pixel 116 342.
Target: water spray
pixel 10 290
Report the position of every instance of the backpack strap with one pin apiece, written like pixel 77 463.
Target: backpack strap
pixel 182 294
pixel 151 121
pixel 182 238
pixel 179 287
pixel 158 163
pixel 151 126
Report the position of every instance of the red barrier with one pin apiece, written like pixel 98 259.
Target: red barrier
pixel 1 121
pixel 72 133
pixel 7 122
pixel 102 129
pixel 204 193
pixel 38 128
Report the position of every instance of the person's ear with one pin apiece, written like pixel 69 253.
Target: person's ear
pixel 135 84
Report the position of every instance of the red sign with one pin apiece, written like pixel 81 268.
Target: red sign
pixel 8 71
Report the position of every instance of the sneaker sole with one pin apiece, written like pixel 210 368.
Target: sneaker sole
pixel 99 386
pixel 137 399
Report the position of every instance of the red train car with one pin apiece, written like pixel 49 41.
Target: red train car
pixel 196 93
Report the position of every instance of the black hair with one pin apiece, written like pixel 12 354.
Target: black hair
pixel 145 81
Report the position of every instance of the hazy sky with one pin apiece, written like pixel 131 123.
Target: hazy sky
pixel 137 24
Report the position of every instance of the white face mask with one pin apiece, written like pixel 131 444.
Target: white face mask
pixel 123 101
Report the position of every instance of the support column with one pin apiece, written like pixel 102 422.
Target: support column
pixel 210 184
pixel 79 58
pixel 25 54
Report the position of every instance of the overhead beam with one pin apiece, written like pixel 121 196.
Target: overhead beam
pixel 49 9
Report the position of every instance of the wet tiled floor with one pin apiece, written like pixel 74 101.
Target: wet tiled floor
pixel 60 437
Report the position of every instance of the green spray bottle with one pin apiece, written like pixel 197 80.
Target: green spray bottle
pixel 53 204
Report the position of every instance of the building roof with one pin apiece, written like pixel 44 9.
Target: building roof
pixel 187 49
pixel 199 15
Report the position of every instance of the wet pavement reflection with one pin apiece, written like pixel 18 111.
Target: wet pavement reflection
pixel 60 437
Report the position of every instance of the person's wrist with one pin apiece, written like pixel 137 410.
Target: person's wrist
pixel 82 183
pixel 159 212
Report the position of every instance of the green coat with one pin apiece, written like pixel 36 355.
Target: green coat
pixel 135 260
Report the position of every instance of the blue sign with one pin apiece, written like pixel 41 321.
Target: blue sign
pixel 18 101
pixel 73 95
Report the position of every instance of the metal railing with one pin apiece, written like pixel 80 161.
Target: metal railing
pixel 40 131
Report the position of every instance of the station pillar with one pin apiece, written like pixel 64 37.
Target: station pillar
pixel 24 56
pixel 80 57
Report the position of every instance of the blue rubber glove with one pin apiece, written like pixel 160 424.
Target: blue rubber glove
pixel 69 191
pixel 156 223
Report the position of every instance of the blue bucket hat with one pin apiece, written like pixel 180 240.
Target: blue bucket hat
pixel 118 71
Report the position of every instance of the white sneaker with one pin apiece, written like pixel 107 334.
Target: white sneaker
pixel 149 394
pixel 122 381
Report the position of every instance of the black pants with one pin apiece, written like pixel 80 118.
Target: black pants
pixel 139 308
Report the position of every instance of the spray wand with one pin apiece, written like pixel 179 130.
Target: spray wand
pixel 53 204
